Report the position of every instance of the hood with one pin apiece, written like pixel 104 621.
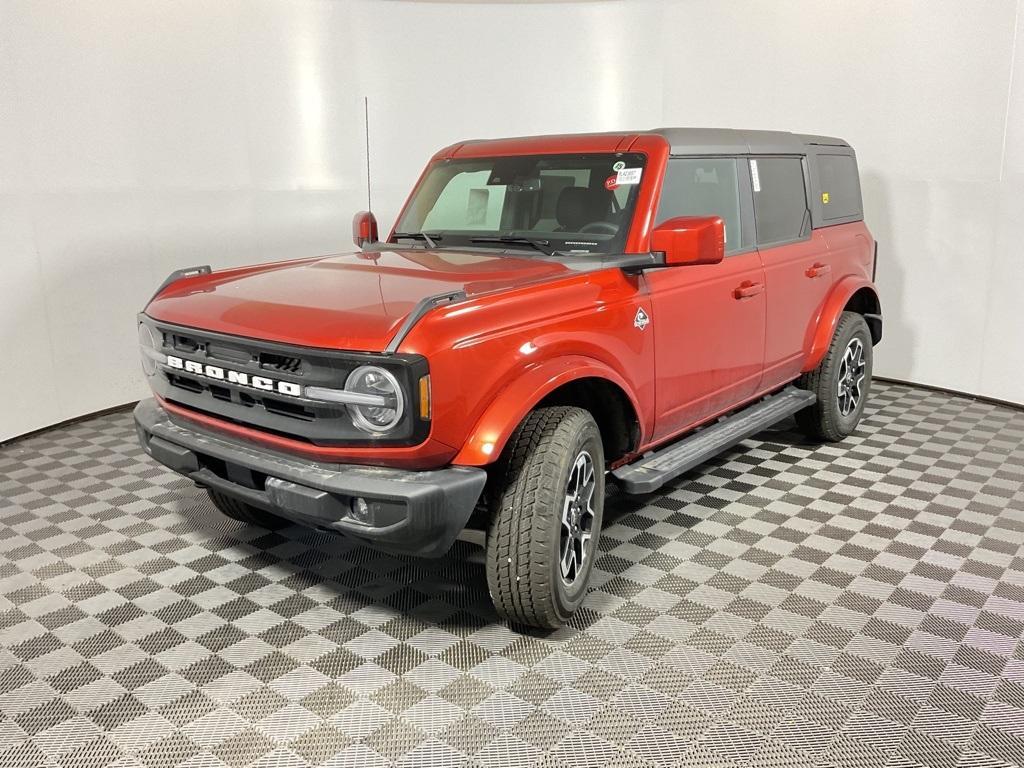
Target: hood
pixel 352 301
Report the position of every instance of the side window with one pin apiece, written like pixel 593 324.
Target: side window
pixel 840 188
pixel 703 187
pixel 780 200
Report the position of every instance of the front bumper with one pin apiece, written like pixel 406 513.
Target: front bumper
pixel 416 513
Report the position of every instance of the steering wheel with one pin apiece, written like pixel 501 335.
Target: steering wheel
pixel 600 228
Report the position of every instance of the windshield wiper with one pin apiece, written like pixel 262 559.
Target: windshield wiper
pixel 430 240
pixel 540 245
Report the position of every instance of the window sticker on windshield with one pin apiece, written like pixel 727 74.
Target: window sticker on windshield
pixel 476 207
pixel 619 165
pixel 754 178
pixel 611 182
pixel 629 176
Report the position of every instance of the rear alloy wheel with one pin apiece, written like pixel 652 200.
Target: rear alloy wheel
pixel 841 382
pixel 850 385
pixel 547 500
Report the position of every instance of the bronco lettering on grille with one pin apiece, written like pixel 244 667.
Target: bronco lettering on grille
pixel 234 377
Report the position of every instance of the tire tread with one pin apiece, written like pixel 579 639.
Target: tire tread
pixel 239 510
pixel 519 572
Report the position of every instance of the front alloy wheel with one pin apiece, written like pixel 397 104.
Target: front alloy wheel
pixel 577 518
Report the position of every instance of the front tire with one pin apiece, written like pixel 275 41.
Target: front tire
pixel 546 513
pixel 841 382
pixel 245 513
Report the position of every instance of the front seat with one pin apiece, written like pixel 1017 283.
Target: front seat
pixel 579 206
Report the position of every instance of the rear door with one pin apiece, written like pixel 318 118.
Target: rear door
pixel 708 320
pixel 798 268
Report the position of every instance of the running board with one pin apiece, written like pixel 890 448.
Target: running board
pixel 649 473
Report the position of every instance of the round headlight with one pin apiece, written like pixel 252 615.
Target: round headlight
pixel 147 348
pixel 375 381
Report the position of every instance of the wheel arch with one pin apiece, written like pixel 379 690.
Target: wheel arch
pixel 865 301
pixel 851 294
pixel 571 380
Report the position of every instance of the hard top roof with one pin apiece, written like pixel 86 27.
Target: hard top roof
pixel 708 140
pixel 683 141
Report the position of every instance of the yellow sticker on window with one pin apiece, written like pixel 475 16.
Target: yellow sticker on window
pixel 824 198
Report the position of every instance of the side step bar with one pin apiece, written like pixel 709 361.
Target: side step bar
pixel 650 472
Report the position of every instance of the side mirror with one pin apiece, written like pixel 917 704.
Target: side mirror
pixel 690 240
pixel 364 228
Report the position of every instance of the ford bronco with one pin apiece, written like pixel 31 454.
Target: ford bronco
pixel 547 313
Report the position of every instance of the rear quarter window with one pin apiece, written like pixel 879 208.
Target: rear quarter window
pixel 838 188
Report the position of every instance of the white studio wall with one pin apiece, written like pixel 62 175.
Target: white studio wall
pixel 1002 364
pixel 138 138
pixel 919 88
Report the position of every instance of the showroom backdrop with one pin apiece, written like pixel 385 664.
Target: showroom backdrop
pixel 140 137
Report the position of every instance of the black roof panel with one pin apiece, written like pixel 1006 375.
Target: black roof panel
pixel 702 141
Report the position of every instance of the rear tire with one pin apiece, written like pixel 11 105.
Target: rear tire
pixel 546 510
pixel 245 513
pixel 841 382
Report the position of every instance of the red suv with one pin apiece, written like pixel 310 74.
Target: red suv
pixel 547 311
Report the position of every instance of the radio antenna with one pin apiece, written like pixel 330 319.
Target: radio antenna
pixel 366 122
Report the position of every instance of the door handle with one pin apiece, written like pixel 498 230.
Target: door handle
pixel 817 270
pixel 746 289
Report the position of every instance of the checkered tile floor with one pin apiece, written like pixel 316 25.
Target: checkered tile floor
pixel 789 604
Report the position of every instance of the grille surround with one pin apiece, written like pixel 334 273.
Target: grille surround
pixel 296 417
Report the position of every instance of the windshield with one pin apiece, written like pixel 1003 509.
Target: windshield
pixel 579 203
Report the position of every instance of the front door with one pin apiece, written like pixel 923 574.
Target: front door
pixel 708 320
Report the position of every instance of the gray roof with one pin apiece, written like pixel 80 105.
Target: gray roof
pixel 690 141
pixel 699 141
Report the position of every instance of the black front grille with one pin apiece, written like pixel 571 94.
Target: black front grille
pixel 239 401
pixel 227 353
pixel 184 343
pixel 281 363
pixel 290 409
pixel 184 382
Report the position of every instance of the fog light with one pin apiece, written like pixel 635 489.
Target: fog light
pixel 362 511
